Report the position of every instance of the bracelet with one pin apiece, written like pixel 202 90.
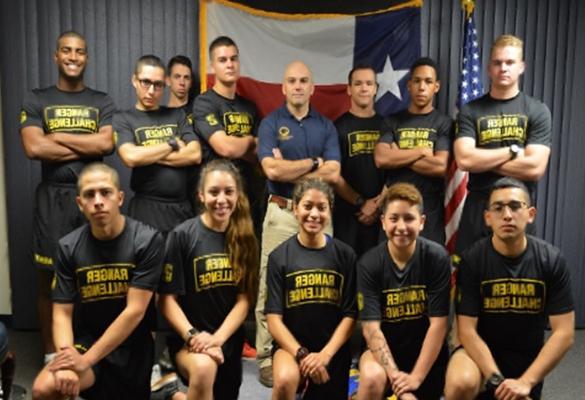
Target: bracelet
pixel 302 352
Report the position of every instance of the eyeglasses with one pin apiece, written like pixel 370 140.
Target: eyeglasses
pixel 147 83
pixel 515 205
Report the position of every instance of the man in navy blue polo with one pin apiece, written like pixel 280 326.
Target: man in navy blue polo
pixel 295 142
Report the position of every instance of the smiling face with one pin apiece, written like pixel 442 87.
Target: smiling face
pixel 402 223
pixel 71 58
pixel 508 214
pixel 422 87
pixel 219 195
pixel 99 198
pixel 313 212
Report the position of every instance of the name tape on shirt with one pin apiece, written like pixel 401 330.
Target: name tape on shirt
pixel 213 270
pixel 362 142
pixel 153 135
pixel 415 138
pixel 70 118
pixel 102 282
pixel 497 128
pixel 513 295
pixel 409 302
pixel 313 286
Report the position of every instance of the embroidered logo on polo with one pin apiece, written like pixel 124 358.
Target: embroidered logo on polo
pixel 513 296
pixel 416 138
pixel 313 286
pixel 284 133
pixel 70 118
pixel 498 128
pixel 405 303
pixel 362 142
pixel 238 123
pixel 213 270
pixel 152 135
pixel 105 281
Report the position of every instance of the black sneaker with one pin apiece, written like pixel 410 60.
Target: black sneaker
pixel 165 387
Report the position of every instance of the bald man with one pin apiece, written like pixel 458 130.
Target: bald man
pixel 295 142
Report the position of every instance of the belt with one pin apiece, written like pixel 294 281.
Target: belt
pixel 282 202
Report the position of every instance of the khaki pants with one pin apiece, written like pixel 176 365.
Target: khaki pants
pixel 279 225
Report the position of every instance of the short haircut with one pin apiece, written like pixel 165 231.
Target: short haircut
pixel 508 40
pixel 73 34
pixel 313 183
pixel 221 41
pixel 358 68
pixel 509 183
pixel 98 167
pixel 402 191
pixel 181 60
pixel 149 60
pixel 425 61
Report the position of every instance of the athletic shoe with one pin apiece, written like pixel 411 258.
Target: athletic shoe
pixel 265 376
pixel 248 351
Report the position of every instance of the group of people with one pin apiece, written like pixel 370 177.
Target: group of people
pixel 229 211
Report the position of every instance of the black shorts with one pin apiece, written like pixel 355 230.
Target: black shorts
pixel 161 215
pixel 229 374
pixel 55 214
pixel 123 374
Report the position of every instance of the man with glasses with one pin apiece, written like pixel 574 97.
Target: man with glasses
pixel 65 127
pixel 157 143
pixel 503 133
pixel 509 286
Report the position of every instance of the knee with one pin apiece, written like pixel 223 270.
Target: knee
pixel 286 381
pixel 372 382
pixel 43 388
pixel 460 386
pixel 202 375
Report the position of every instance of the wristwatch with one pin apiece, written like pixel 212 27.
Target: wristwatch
pixel 190 333
pixel 514 151
pixel 302 352
pixel 493 382
pixel 315 164
pixel 173 143
pixel 359 201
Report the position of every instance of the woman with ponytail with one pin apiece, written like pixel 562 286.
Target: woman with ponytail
pixel 208 283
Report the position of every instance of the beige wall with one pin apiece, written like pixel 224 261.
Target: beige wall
pixel 5 306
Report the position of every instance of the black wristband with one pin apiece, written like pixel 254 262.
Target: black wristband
pixel 302 352
pixel 359 201
pixel 315 164
pixel 190 333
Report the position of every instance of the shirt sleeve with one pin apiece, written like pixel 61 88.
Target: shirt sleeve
pixel 559 297
pixel 173 276
pixel 274 287
pixel 438 285
pixel 387 131
pixel 267 137
pixel 107 111
pixel 149 259
pixel 467 300
pixel 349 303
pixel 206 118
pixel 465 126
pixel 369 289
pixel 185 130
pixel 444 135
pixel 539 125
pixel 31 111
pixel 64 282
pixel 331 150
pixel 123 130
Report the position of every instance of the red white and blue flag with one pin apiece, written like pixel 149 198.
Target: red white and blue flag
pixel 470 88
pixel 330 44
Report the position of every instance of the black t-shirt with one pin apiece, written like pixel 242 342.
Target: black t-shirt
pixel 512 298
pixel 198 270
pixel 357 138
pixel 313 289
pixel 494 123
pixel 416 131
pixel 403 300
pixel 96 274
pixel 148 128
pixel 80 113
pixel 236 117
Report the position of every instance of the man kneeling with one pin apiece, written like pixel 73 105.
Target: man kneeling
pixel 508 285
pixel 105 275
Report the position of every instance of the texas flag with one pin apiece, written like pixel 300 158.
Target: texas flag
pixel 330 44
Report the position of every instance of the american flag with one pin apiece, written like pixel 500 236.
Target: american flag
pixel 470 88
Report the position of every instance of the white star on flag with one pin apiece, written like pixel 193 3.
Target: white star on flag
pixel 388 80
